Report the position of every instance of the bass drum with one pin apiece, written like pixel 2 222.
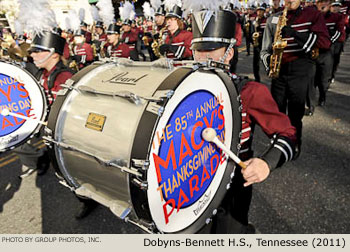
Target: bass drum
pixel 20 93
pixel 129 137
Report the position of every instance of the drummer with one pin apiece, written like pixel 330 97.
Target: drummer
pixel 46 51
pixel 258 108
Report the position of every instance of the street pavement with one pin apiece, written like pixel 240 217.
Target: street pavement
pixel 309 195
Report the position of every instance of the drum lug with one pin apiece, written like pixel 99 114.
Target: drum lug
pixel 138 163
pixel 155 109
pixel 160 94
pixel 143 185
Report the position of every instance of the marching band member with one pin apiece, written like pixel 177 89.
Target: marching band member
pixel 337 46
pixel 248 26
pixel 83 54
pixel 259 25
pixel 178 41
pixel 215 41
pixel 324 63
pixel 115 48
pixel 129 36
pixel 276 7
pixel 305 30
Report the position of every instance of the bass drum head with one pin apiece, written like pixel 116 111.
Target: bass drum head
pixel 20 93
pixel 188 177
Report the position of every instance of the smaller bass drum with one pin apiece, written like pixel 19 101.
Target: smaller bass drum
pixel 20 93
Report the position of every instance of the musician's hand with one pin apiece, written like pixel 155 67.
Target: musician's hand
pixel 164 48
pixel 288 31
pixel 257 171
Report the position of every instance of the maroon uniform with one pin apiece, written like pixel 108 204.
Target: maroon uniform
pixel 88 37
pixel 178 45
pixel 130 38
pixel 309 24
pixel 120 50
pixel 335 24
pixel 83 54
pixel 60 79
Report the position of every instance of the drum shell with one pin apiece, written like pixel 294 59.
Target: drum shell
pixel 127 134
pixel 114 142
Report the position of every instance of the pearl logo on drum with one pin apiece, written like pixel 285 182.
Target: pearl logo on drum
pixel 125 78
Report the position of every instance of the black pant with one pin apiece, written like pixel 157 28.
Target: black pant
pixel 290 89
pixel 256 63
pixel 324 65
pixel 336 49
pixel 247 42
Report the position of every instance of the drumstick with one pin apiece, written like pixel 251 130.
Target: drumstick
pixel 6 112
pixel 209 135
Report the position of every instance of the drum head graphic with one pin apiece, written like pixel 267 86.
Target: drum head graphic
pixel 20 94
pixel 185 171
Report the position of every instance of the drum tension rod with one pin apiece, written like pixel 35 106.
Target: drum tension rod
pixel 99 159
pixel 137 99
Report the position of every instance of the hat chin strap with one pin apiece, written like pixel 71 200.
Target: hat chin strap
pixel 52 51
pixel 222 60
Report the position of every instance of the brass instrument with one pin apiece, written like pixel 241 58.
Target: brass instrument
pixel 73 64
pixel 278 46
pixel 315 52
pixel 145 40
pixel 247 25
pixel 102 51
pixel 94 50
pixel 256 34
pixel 158 42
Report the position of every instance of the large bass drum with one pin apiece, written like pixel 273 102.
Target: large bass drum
pixel 20 93
pixel 128 135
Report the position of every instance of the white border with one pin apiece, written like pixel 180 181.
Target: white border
pixel 36 96
pixel 185 217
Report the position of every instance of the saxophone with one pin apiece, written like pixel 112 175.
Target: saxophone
pixel 278 46
pixel 158 42
pixel 256 34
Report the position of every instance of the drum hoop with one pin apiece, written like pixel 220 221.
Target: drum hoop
pixel 44 102
pixel 142 151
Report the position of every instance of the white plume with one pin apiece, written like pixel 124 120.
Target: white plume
pixel 36 16
pixel 169 4
pixel 148 11
pixel 156 4
pixel 94 13
pixel 82 14
pixel 106 11
pixel 74 20
pixel 68 25
pixel 18 27
pixel 126 11
pixel 198 5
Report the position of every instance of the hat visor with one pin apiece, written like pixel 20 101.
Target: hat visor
pixel 34 49
pixel 207 46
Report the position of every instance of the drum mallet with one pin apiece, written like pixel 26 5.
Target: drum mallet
pixel 209 135
pixel 6 112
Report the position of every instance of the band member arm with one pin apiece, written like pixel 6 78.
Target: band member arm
pixel 266 48
pixel 281 150
pixel 305 40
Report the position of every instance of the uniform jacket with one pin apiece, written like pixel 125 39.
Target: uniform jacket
pixel 120 50
pixel 182 39
pixel 336 26
pixel 85 52
pixel 308 21
pixel 60 79
pixel 258 107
